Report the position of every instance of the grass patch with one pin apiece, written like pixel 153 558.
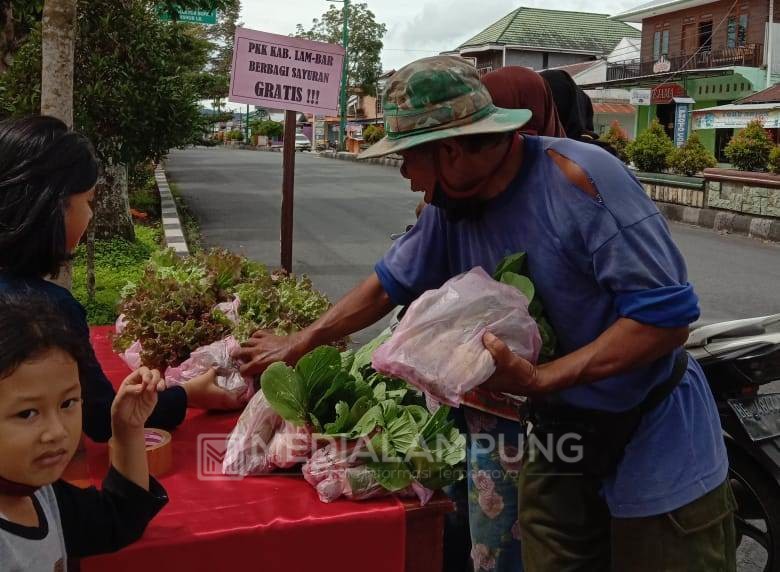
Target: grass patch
pixel 189 223
pixel 117 263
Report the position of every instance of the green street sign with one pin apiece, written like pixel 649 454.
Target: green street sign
pixel 191 16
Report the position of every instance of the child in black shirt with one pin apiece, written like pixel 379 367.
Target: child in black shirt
pixel 43 520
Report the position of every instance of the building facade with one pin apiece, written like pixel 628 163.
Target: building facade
pixel 694 55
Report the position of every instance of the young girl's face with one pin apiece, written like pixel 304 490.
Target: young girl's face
pixel 78 213
pixel 40 419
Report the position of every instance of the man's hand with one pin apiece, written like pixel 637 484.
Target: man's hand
pixel 265 348
pixel 513 374
pixel 606 356
pixel 135 400
pixel 204 393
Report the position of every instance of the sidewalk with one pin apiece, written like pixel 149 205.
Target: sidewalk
pixel 715 219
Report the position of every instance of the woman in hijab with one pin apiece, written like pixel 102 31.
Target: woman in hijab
pixel 574 108
pixel 516 87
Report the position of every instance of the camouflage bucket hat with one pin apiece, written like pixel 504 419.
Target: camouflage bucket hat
pixel 436 98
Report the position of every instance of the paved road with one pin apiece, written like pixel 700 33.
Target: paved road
pixel 345 213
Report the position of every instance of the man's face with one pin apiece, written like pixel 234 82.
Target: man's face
pixel 40 419
pixel 420 168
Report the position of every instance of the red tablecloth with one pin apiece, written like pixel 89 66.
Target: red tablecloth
pixel 266 523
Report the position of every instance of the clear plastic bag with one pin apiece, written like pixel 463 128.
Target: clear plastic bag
pixel 217 356
pixel 438 345
pixel 248 444
pixel 338 470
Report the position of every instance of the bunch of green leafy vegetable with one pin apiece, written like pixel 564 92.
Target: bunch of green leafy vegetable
pixel 513 270
pixel 278 302
pixel 338 395
pixel 171 309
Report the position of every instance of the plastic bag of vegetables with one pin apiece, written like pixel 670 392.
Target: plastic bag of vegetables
pixel 438 346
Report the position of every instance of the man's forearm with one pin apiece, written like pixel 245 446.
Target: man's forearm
pixel 364 305
pixel 624 346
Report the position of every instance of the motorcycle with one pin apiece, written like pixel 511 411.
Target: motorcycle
pixel 739 357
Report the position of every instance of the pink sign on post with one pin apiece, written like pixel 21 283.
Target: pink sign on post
pixel 280 72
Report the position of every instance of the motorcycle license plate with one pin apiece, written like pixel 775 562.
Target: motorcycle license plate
pixel 760 415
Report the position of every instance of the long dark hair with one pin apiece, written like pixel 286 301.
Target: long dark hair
pixel 42 164
pixel 30 325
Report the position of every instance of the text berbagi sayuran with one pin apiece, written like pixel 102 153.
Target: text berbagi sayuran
pixel 282 91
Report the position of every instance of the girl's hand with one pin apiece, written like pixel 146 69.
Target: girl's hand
pixel 204 393
pixel 136 399
pixel 514 374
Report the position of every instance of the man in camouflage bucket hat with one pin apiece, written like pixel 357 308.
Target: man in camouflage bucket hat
pixel 436 98
pixel 625 453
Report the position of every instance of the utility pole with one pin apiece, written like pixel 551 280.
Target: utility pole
pixel 345 71
pixel 770 43
pixel 246 126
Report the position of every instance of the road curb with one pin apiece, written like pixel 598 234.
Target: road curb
pixel 173 232
pixel 723 221
pixel 342 156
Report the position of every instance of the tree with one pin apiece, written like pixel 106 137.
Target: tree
pixel 57 48
pixel 617 137
pixel 17 18
pixel 135 94
pixel 650 150
pixel 365 42
pixel 691 158
pixel 749 149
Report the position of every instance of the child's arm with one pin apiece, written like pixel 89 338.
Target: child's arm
pixel 96 522
pixel 134 402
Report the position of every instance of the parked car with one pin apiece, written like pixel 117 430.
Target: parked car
pixel 302 142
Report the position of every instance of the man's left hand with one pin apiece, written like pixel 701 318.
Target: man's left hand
pixel 514 374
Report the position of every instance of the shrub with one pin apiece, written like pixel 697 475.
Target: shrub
pixel 268 128
pixel 774 159
pixel 650 150
pixel 235 135
pixel 617 137
pixel 749 149
pixel 373 133
pixel 691 157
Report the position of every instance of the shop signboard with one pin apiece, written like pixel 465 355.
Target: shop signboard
pixel 735 118
pixel 666 92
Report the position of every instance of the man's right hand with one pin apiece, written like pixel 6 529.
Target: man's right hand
pixel 265 348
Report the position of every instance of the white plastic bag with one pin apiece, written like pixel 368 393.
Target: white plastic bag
pixel 217 356
pixel 438 345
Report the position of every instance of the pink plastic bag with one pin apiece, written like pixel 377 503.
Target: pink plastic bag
pixel 438 345
pixel 247 448
pixel 217 356
pixel 289 446
pixel 132 355
pixel 230 309
pixel 338 470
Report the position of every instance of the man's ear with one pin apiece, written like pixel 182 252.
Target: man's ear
pixel 450 150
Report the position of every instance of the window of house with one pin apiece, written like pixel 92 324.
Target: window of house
pixel 705 35
pixel 736 31
pixel 657 45
pixel 665 43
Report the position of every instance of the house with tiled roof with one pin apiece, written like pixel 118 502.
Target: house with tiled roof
pixel 541 39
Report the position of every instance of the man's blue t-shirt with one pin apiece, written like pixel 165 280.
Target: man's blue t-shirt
pixel 592 260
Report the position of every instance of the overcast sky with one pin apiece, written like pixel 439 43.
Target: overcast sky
pixel 415 28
